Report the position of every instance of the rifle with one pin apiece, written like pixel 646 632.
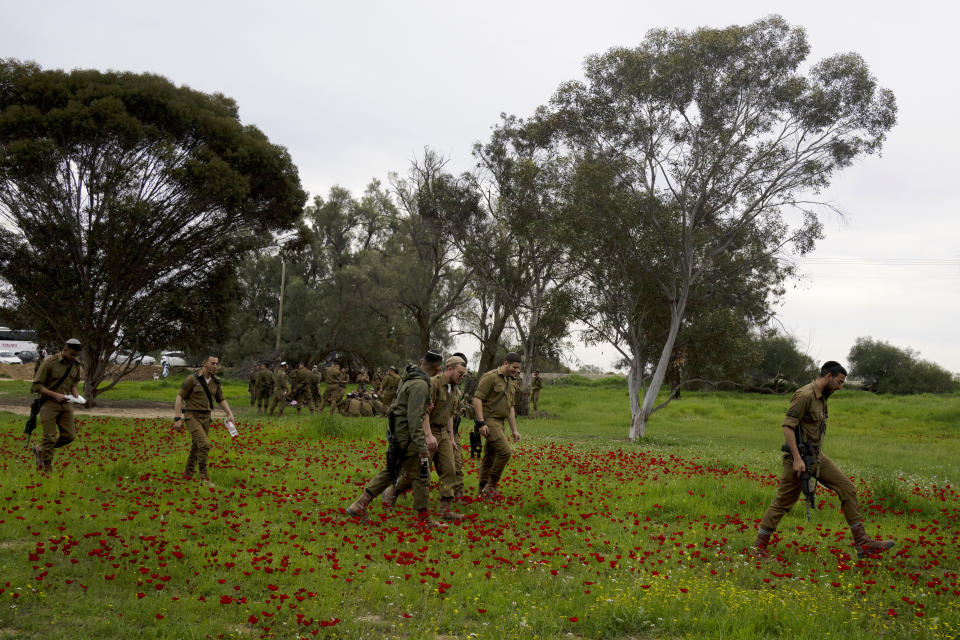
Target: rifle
pixel 808 480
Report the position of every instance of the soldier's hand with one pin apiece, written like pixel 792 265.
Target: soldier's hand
pixel 178 426
pixel 432 443
pixel 516 436
pixel 484 431
pixel 798 466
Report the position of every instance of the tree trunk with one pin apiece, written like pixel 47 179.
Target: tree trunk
pixel 488 350
pixel 634 380
pixel 638 426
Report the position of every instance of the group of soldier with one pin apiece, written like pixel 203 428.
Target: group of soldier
pixel 424 410
pixel 273 389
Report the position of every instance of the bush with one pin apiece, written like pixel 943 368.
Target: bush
pixel 884 368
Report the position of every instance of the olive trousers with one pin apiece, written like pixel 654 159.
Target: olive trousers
pixel 828 474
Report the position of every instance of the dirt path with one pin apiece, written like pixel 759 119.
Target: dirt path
pixel 113 412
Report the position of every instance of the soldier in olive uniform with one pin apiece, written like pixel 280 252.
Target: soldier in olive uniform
pixel 377 380
pixel 195 400
pixel 388 389
pixel 362 380
pixel 366 405
pixel 252 386
pixel 300 384
pixel 535 386
pixel 806 421
pixel 354 405
pixel 265 383
pixel 58 376
pixel 331 395
pixel 281 388
pixel 493 405
pixel 409 437
pixel 445 400
pixel 316 392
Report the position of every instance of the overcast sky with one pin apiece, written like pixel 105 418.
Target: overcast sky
pixel 356 89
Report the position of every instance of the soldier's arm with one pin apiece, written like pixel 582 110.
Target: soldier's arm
pixel 512 419
pixel 799 405
pixel 416 404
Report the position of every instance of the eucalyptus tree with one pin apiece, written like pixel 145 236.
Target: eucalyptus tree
pixel 718 138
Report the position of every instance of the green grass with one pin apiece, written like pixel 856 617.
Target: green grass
pixel 596 537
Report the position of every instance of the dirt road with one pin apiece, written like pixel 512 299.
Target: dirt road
pixel 113 412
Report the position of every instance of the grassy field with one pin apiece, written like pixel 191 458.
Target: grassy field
pixel 595 536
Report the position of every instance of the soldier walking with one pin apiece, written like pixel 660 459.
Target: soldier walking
pixel 408 442
pixel 281 388
pixel 493 404
pixel 805 425
pixel 195 401
pixel 57 376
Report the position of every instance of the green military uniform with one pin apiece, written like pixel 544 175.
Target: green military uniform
pixel 377 380
pixel 497 392
pixel 445 399
pixel 391 382
pixel 265 383
pixel 366 408
pixel 56 418
pixel 281 388
pixel 363 380
pixel 377 406
pixel 331 395
pixel 535 386
pixel 252 386
pixel 315 380
pixel 196 412
pixel 408 410
pixel 344 381
pixel 354 407
pixel 808 411
pixel 300 383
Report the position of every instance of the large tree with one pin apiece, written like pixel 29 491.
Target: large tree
pixel 127 204
pixel 717 137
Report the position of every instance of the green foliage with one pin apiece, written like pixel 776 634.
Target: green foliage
pixel 782 365
pixel 884 368
pixel 127 204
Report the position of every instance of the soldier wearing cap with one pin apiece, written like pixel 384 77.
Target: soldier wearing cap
pixel 281 388
pixel 535 386
pixel 409 440
pixel 493 405
pixel 442 405
pixel 192 409
pixel 56 377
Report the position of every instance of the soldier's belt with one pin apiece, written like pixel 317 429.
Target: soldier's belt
pixel 198 411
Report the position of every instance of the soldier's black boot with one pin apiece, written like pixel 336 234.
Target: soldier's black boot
pixel 867 546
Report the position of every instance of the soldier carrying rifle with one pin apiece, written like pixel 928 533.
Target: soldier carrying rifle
pixel 804 463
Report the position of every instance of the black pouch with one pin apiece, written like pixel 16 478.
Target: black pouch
pixel 476 445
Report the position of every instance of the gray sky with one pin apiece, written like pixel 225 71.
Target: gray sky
pixel 355 90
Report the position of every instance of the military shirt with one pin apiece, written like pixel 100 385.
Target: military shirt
pixel 265 379
pixel 496 391
pixel 537 383
pixel 195 398
pixel 299 378
pixel 332 376
pixel 283 382
pixel 808 408
pixel 409 408
pixel 51 370
pixel 391 381
pixel 444 402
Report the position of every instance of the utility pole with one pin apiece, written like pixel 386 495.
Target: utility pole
pixel 283 278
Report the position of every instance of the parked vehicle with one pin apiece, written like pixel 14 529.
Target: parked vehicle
pixel 28 356
pixel 175 358
pixel 8 357
pixel 122 358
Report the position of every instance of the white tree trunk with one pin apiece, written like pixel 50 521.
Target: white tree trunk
pixel 638 425
pixel 634 383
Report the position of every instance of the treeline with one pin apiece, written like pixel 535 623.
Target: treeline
pixel 652 204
